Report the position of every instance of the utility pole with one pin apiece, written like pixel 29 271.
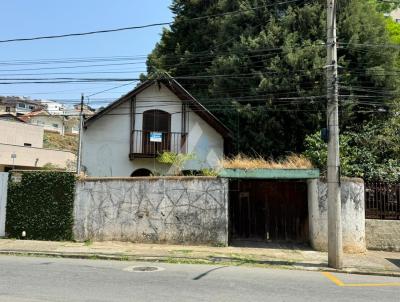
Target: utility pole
pixel 335 248
pixel 78 164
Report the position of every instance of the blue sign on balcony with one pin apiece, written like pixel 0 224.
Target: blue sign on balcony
pixel 156 137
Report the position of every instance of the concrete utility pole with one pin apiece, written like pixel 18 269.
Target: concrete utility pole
pixel 78 164
pixel 335 248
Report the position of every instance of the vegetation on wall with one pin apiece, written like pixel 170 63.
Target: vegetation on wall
pixel 41 204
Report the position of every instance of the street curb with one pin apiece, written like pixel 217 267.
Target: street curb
pixel 285 264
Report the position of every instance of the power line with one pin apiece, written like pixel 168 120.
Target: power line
pixel 138 26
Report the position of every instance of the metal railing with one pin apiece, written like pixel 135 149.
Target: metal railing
pixel 151 143
pixel 382 200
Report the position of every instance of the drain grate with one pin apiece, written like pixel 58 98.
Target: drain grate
pixel 143 269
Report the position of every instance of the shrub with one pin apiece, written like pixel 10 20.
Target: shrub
pixel 41 204
pixel 176 160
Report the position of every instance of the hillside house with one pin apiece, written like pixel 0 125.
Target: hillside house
pixel 50 122
pixel 18 105
pixel 125 138
pixel 62 124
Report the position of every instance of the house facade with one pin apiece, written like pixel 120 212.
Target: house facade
pixel 18 105
pixel 62 124
pixel 53 107
pixel 395 15
pixel 125 138
pixel 49 122
pixel 21 147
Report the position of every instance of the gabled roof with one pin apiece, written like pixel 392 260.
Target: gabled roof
pixel 27 116
pixel 9 117
pixel 180 92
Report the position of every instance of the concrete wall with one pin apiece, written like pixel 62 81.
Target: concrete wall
pixel 106 141
pixel 31 157
pixel 18 133
pixel 353 215
pixel 3 202
pixel 383 234
pixel 169 209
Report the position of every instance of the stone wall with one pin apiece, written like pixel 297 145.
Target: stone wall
pixel 353 215
pixel 168 209
pixel 383 234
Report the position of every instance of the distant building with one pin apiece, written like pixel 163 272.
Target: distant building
pixel 52 123
pixel 62 124
pixel 395 15
pixel 10 117
pixel 53 107
pixel 18 105
pixel 21 147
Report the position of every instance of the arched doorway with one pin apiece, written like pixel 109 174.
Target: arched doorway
pixel 156 131
pixel 141 173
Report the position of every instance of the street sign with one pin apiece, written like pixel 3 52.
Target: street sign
pixel 13 155
pixel 156 137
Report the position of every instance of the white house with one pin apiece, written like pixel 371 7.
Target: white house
pixel 396 15
pixel 53 107
pixel 50 122
pixel 125 138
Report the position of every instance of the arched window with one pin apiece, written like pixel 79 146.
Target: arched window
pixel 156 120
pixel 156 131
pixel 141 172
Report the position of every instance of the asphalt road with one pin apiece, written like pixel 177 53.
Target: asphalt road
pixel 25 279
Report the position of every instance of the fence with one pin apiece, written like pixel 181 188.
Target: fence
pixel 382 200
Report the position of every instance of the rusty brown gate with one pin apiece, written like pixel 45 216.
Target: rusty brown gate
pixel 265 210
pixel 382 200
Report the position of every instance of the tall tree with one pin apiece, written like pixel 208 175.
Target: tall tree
pixel 259 65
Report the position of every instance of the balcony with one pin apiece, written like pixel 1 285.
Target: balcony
pixel 148 144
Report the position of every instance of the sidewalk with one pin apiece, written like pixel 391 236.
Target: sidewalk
pixel 287 256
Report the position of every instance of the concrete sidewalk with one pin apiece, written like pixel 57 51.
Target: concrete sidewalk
pixel 283 255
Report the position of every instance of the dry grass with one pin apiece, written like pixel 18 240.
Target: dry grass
pixel 59 142
pixel 241 161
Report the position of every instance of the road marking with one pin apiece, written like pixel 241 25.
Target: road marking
pixel 338 282
pixel 333 279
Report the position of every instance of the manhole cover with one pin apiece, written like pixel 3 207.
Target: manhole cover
pixel 143 269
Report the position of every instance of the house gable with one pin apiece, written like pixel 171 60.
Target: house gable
pixel 116 144
pixel 176 90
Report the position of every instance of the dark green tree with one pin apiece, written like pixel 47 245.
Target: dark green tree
pixel 259 65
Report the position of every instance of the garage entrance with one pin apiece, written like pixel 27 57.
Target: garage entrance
pixel 268 210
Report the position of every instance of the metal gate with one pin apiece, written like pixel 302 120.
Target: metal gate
pixel 269 210
pixel 382 200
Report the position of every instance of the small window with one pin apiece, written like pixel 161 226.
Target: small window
pixel 55 125
pixel 27 145
pixel 31 107
pixel 21 105
pixel 8 109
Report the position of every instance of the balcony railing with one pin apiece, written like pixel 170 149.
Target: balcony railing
pixel 151 143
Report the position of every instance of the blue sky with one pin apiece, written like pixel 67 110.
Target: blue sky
pixel 21 18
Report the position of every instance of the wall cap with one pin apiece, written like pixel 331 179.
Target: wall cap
pixel 149 178
pixel 346 179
